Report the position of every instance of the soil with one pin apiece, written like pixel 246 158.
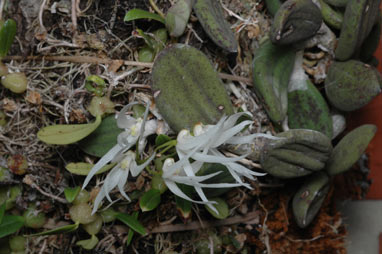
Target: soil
pixel 56 95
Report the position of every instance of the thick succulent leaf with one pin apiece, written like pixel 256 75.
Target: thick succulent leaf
pixel 309 198
pixel 350 148
pixel 177 17
pixel 102 139
pixel 331 17
pixel 273 6
pixel 186 88
pixel 63 134
pixel 307 109
pixel 211 16
pixel 7 34
pixel 337 3
pixel 296 20
pixel 359 18
pixel 300 153
pixel 351 85
pixel 339 124
pixel 272 68
pixel 371 42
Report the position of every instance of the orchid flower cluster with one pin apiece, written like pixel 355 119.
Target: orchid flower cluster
pixel 193 150
pixel 135 132
pixel 202 147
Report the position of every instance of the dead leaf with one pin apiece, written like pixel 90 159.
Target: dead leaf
pixel 34 97
pixel 9 105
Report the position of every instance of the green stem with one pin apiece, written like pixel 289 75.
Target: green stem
pixel 155 7
pixel 167 145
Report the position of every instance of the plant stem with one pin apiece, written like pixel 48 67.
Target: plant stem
pixel 155 7
pixel 2 4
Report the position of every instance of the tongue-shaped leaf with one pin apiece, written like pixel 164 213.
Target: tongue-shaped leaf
pixel 186 88
pixel 296 20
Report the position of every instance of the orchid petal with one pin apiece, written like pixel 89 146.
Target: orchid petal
pixel 204 198
pixel 136 170
pixel 231 132
pixel 98 200
pixel 179 164
pixel 247 139
pixel 215 158
pixel 111 181
pixel 102 162
pixel 196 178
pixel 122 120
pixel 122 182
pixel 177 191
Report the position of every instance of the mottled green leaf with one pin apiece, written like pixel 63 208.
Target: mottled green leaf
pixel 187 89
pixel 307 109
pixel 177 17
pixel 63 134
pixel 309 198
pixel 271 69
pixel 295 20
pixel 359 18
pixel 351 85
pixel 300 152
pixel 211 17
pixel 350 149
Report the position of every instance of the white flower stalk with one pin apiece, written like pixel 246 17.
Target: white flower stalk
pixel 135 132
pixel 117 177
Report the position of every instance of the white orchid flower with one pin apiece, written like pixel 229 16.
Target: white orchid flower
pixel 117 177
pixel 202 147
pixel 174 173
pixel 135 131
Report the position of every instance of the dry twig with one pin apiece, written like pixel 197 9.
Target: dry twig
pixel 197 225
pixel 97 60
